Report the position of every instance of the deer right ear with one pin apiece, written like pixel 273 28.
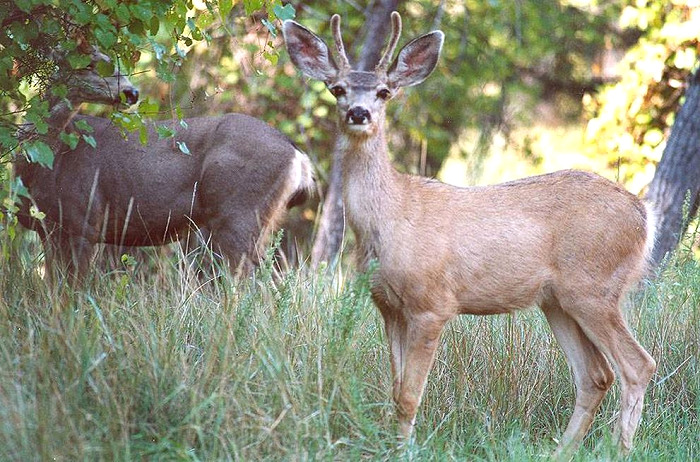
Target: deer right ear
pixel 416 60
pixel 308 52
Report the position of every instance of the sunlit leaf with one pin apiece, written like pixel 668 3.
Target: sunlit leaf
pixel 284 12
pixel 40 153
pixel 183 147
pixel 71 139
pixel 164 131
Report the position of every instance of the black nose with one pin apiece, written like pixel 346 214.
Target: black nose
pixel 131 95
pixel 358 116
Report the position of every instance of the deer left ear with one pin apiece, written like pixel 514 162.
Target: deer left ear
pixel 416 60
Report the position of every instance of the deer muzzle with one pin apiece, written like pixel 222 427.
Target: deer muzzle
pixel 358 116
pixel 131 95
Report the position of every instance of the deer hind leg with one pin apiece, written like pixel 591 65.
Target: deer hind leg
pixel 592 373
pixel 604 325
pixel 235 239
pixel 66 257
pixel 412 343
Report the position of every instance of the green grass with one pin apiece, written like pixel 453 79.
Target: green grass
pixel 140 366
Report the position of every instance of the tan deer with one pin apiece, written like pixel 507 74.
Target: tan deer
pixel 236 184
pixel 570 242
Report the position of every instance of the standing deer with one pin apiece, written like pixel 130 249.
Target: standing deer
pixel 237 184
pixel 570 242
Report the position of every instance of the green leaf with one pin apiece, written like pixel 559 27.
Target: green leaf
pixel 164 131
pixel 84 126
pixel 155 25
pixel 79 61
pixel 141 11
pixel 251 6
pixel 8 139
pixel 136 27
pixel 143 135
pixel 71 139
pixel 105 68
pixel 24 5
pixel 105 38
pixel 164 72
pixel 147 106
pixel 270 27
pixel 225 7
pixel 35 213
pixel 122 13
pixel 89 139
pixel 40 153
pixel 37 114
pixel 272 57
pixel 284 12
pixel 183 147
pixel 128 122
pixel 18 188
pixel 59 91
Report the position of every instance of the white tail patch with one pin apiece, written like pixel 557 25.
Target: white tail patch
pixel 302 172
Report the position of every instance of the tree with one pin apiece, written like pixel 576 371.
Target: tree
pixel 676 182
pixel 331 227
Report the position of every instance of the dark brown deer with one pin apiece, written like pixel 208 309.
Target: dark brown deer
pixel 237 183
pixel 570 242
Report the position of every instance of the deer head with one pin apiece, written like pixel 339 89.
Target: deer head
pixel 362 96
pixel 87 85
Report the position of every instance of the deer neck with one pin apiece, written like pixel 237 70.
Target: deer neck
pixel 371 189
pixel 61 114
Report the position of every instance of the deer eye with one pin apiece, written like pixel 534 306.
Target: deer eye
pixel 384 94
pixel 337 91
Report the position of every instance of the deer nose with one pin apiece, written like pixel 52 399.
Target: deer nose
pixel 131 95
pixel 358 116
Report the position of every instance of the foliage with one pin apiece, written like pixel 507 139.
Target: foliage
pixel 157 365
pixel 631 118
pixel 38 36
pixel 499 59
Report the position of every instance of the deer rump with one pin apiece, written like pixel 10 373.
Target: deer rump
pixel 125 193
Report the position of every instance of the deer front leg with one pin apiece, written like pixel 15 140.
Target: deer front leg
pixel 412 342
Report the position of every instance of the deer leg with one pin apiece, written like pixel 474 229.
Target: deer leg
pixel 235 241
pixel 66 257
pixel 413 342
pixel 592 373
pixel 395 328
pixel 81 250
pixel 608 331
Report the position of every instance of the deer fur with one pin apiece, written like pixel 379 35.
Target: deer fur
pixel 570 242
pixel 236 185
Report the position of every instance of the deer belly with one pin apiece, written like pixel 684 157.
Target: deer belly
pixel 140 229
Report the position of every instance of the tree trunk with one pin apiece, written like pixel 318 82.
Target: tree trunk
pixel 677 176
pixel 331 228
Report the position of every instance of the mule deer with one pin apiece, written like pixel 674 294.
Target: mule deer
pixel 571 242
pixel 237 184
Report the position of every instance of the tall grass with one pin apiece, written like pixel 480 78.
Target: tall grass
pixel 137 366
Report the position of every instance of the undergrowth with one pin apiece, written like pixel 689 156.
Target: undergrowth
pixel 165 364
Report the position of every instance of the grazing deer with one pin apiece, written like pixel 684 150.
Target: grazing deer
pixel 237 184
pixel 570 242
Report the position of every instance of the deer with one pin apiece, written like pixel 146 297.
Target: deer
pixel 235 186
pixel 570 242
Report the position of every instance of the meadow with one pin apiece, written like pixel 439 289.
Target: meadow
pixel 162 364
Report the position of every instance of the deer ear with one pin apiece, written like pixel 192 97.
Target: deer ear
pixel 416 60
pixel 308 52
